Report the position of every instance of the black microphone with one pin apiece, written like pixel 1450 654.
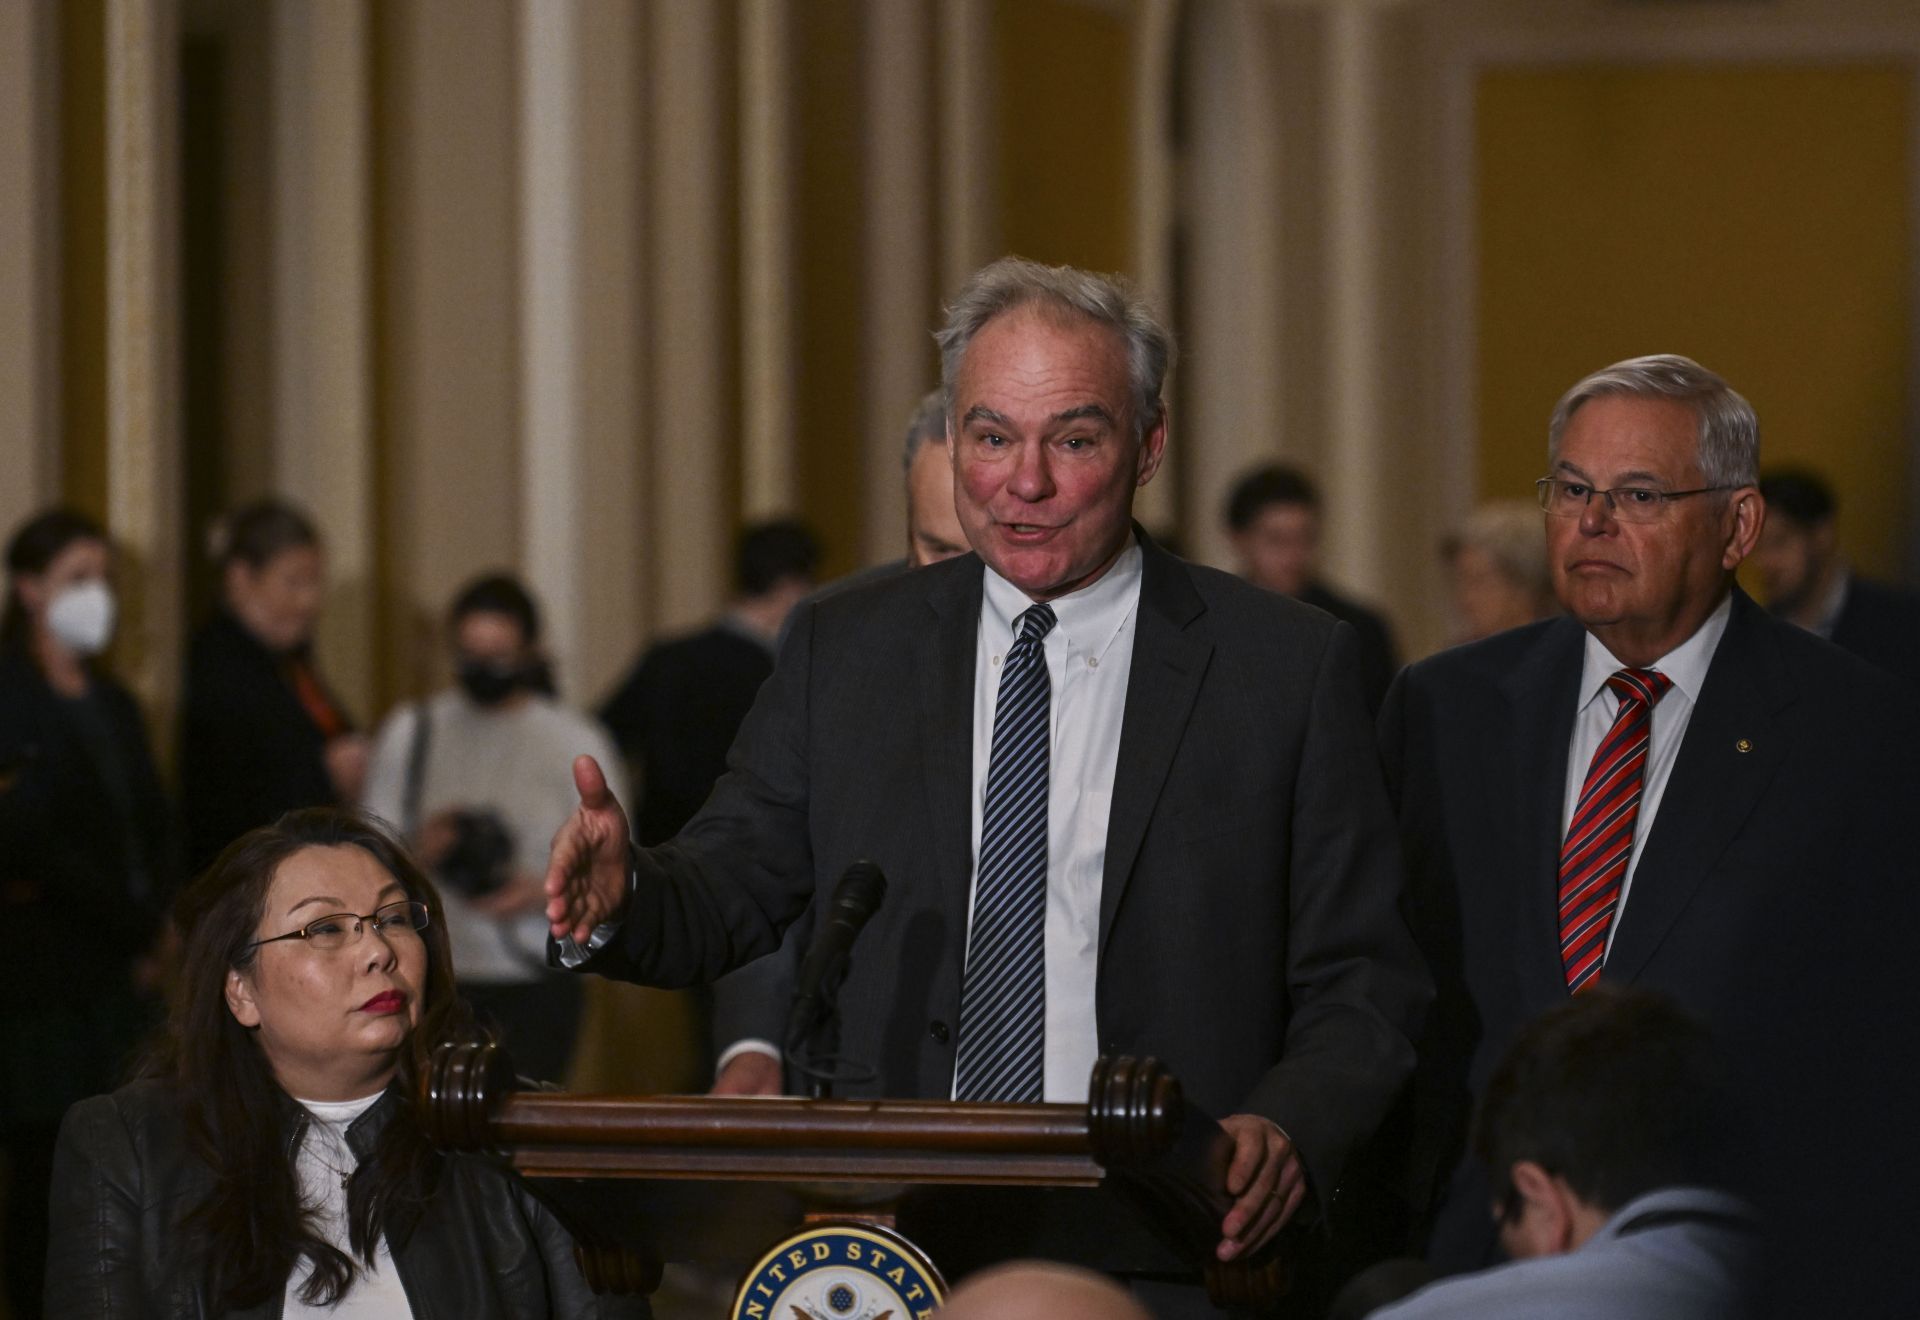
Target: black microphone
pixel 855 899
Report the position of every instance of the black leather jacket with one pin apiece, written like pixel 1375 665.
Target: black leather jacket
pixel 124 1179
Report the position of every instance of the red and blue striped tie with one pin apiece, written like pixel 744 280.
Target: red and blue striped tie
pixel 1593 860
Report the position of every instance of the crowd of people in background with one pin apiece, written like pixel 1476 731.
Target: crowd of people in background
pixel 1598 1133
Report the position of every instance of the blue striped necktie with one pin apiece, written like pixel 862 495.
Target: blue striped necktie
pixel 1003 992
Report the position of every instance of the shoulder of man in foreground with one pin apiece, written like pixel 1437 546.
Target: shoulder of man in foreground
pixel 1493 660
pixel 1827 670
pixel 889 592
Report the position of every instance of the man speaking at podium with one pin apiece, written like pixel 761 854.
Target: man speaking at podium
pixel 1123 804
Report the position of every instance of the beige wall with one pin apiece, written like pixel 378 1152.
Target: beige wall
pixel 1757 217
pixel 448 486
pixel 576 286
pixel 29 258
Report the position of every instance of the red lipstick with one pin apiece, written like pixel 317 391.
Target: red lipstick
pixel 387 1001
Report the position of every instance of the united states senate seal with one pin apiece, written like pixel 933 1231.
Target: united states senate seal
pixel 841 1272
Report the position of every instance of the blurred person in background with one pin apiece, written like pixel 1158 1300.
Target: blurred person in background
pixel 1273 518
pixel 260 732
pixel 1808 581
pixel 1497 569
pixel 473 776
pixel 270 1161
pixel 675 714
pixel 934 532
pixel 933 527
pixel 86 863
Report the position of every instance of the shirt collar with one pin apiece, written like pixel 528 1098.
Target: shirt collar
pixel 1087 618
pixel 1686 664
pixel 1670 1204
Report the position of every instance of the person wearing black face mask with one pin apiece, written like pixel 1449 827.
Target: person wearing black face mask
pixel 492 682
pixel 469 775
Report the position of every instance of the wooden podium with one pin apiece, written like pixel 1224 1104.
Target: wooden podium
pixel 1130 1182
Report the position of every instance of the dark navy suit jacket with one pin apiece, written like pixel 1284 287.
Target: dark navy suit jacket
pixel 1777 897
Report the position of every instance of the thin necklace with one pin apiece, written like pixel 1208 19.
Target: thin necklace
pixel 338 1146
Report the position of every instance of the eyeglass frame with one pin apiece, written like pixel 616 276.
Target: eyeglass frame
pixel 362 922
pixel 1543 495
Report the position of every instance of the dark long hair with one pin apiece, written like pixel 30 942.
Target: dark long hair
pixel 252 1227
pixel 34 546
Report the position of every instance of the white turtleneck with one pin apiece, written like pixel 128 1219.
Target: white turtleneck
pixel 322 1165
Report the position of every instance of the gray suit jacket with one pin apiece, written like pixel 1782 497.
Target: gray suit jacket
pixel 1682 1253
pixel 1250 929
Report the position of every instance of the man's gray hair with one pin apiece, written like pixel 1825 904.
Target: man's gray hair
pixel 1013 282
pixel 1729 438
pixel 928 424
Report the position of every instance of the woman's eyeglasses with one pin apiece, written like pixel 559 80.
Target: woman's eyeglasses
pixel 395 921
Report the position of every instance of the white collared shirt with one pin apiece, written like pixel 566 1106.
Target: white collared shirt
pixel 1687 666
pixel 1089 656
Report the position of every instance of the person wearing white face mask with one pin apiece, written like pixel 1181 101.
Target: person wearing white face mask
pixel 85 845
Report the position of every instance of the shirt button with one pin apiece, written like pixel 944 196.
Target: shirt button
pixel 1093 662
pixel 996 660
pixel 938 1030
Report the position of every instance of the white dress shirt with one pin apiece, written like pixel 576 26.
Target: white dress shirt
pixel 1687 666
pixel 1089 655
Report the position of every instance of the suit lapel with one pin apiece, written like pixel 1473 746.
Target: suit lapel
pixel 1168 663
pixel 944 659
pixel 1713 787
pixel 1542 693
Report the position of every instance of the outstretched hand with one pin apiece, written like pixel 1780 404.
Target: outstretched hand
pixel 586 881
pixel 1267 1181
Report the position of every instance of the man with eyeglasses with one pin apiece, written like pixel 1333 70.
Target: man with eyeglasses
pixel 1669 788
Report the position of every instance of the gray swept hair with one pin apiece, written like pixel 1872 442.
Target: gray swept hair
pixel 928 424
pixel 1107 300
pixel 1728 444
